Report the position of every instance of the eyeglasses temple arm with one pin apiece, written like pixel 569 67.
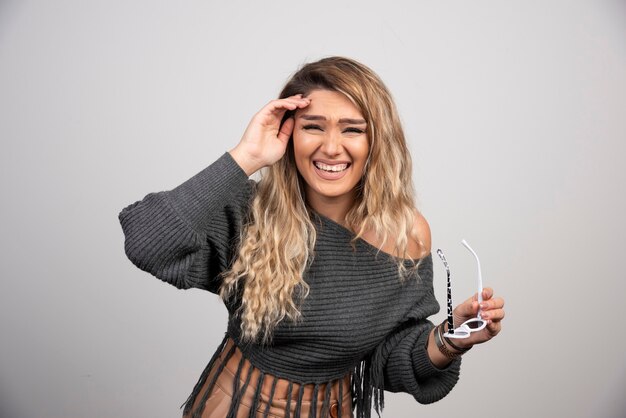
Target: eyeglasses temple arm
pixel 480 276
pixel 445 264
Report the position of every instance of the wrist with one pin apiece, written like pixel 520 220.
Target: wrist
pixel 458 345
pixel 444 345
pixel 436 357
pixel 247 163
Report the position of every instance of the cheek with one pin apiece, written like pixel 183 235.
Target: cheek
pixel 362 149
pixel 298 141
pixel 303 147
pixel 298 152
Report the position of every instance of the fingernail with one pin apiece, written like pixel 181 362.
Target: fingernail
pixel 483 306
pixel 484 315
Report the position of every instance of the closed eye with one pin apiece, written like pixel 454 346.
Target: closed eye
pixel 347 130
pixel 312 127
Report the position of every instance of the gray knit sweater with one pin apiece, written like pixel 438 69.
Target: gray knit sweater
pixel 358 316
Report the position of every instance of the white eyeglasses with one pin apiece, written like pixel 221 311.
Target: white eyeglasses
pixel 471 325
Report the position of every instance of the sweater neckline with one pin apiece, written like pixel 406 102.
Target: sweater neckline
pixel 349 233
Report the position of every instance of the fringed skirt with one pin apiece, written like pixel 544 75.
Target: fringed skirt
pixel 230 387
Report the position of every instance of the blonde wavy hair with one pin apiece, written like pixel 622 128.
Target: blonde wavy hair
pixel 277 243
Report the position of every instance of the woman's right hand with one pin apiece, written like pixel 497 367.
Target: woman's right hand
pixel 264 142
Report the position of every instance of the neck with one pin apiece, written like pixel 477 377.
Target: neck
pixel 335 208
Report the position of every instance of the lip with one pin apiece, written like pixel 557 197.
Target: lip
pixel 326 175
pixel 331 162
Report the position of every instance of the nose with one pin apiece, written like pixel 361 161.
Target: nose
pixel 332 143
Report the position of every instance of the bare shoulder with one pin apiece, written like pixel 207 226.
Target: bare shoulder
pixel 420 242
pixel 418 245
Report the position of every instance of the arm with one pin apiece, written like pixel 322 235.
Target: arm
pixel 406 366
pixel 409 360
pixel 420 246
pixel 188 235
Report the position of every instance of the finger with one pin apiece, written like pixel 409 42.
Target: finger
pixel 493 328
pixel 304 102
pixel 286 130
pixel 496 303
pixel 289 105
pixel 495 315
pixel 474 298
pixel 299 104
pixel 281 105
pixel 467 309
pixel 487 293
pixel 298 100
pixel 274 111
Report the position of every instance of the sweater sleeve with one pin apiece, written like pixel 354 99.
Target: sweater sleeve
pixel 188 235
pixel 407 367
pixel 401 363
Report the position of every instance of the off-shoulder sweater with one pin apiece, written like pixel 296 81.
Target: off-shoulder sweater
pixel 358 317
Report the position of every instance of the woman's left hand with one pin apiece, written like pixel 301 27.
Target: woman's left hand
pixel 491 309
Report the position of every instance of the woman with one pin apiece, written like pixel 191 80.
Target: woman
pixel 324 265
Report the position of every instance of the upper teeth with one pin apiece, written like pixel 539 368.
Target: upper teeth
pixel 337 167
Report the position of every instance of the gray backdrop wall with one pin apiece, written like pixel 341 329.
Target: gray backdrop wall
pixel 515 113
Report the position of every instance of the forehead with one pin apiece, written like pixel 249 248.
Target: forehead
pixel 331 104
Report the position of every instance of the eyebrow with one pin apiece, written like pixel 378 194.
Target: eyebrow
pixel 342 120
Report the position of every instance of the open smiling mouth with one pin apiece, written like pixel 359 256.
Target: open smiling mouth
pixel 331 172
